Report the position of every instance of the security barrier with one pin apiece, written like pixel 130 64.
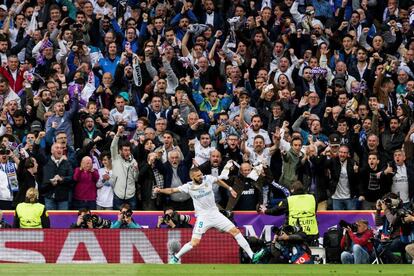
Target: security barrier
pixel 112 246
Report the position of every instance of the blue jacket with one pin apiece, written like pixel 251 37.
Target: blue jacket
pixel 109 65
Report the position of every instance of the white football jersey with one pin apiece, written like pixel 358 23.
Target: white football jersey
pixel 202 195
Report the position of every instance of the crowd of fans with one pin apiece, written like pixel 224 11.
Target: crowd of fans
pixel 103 101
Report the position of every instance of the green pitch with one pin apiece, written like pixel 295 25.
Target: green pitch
pixel 182 270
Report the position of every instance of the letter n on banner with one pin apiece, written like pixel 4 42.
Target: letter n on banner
pixel 91 245
pixel 20 255
pixel 138 240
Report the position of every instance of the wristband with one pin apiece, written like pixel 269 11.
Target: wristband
pixel 230 189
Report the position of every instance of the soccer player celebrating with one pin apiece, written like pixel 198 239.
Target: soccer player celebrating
pixel 207 213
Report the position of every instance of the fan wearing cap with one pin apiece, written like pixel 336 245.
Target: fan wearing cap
pixel 334 144
pixel 244 100
pixel 3 13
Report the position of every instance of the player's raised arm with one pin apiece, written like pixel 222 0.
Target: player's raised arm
pixel 227 187
pixel 166 191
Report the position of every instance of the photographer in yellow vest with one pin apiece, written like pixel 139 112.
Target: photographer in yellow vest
pixel 300 209
pixel 31 213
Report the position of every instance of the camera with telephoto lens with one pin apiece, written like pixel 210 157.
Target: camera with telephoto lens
pixel 166 218
pixel 127 213
pixel 86 218
pixel 97 221
pixel 345 224
pixel 402 213
pixel 4 151
pixel 287 229
pixel 180 221
pixel 392 203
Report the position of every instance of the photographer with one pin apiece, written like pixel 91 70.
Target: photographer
pixel 172 219
pixel 88 221
pixel 391 225
pixel 356 243
pixel 289 246
pixel 125 219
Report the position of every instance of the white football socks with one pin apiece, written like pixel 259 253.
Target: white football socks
pixel 244 244
pixel 187 247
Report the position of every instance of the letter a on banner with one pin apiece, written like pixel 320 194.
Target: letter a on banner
pixel 133 239
pixel 72 242
pixel 20 255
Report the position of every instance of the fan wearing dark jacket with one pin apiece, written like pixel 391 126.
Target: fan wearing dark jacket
pixel 57 180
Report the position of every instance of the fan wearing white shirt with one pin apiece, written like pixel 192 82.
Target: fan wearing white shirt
pixel 105 192
pixel 259 154
pixel 208 216
pixel 401 181
pixel 255 129
pixel 123 114
pixel 203 149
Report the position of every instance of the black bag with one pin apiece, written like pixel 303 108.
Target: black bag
pixel 332 244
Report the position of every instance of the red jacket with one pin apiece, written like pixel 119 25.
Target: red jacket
pixel 15 85
pixel 361 239
pixel 85 188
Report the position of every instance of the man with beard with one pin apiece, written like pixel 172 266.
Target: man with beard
pixel 375 182
pixel 208 14
pixel 258 154
pixel 214 167
pixel 202 148
pixel 42 103
pixel 344 180
pixel 255 130
pixel 63 119
pixel 392 138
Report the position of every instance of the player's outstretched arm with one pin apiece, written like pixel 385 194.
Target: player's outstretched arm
pixel 227 187
pixel 166 191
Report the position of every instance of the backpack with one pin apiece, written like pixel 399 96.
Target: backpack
pixel 332 244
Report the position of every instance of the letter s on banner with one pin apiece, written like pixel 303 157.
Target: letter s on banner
pixel 72 242
pixel 20 255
